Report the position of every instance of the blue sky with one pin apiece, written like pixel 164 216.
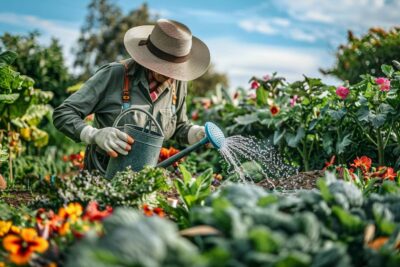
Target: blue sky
pixel 246 38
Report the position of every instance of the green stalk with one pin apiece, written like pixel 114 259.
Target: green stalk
pixel 381 148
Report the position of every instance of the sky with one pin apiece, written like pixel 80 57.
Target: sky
pixel 245 38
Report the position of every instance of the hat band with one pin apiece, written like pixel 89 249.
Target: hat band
pixel 161 54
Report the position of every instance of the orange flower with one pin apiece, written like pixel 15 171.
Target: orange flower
pixel 166 153
pixel 5 227
pixel 21 247
pixel 385 173
pixel 94 214
pixel 378 243
pixel 364 163
pixel 64 228
pixel 274 110
pixel 147 210
pixel 329 163
pixel 159 212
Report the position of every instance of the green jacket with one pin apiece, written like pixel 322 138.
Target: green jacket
pixel 102 95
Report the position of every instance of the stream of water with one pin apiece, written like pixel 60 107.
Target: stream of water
pixel 248 157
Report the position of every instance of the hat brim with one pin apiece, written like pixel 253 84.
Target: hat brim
pixel 196 65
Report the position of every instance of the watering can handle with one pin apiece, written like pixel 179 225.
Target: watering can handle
pixel 128 110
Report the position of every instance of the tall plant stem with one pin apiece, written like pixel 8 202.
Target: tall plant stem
pixel 381 147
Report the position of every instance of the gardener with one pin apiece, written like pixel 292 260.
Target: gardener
pixel 163 58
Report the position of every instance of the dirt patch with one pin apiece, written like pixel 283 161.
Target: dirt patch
pixel 16 198
pixel 303 180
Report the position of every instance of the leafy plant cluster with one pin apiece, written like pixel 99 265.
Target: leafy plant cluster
pixel 309 121
pixel 127 188
pixel 244 225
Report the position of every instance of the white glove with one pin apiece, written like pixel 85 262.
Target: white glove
pixel 109 139
pixel 195 134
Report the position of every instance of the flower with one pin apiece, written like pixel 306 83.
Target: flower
pixel 21 247
pixel 342 92
pixel 385 173
pixel 384 84
pixel 329 163
pixel 364 163
pixel 150 212
pixel 195 115
pixel 293 100
pixel 147 210
pixel 5 227
pixel 274 110
pixel 378 243
pixel 206 103
pixel 94 214
pixel 255 84
pixel 166 153
pixel 72 212
pixel 266 77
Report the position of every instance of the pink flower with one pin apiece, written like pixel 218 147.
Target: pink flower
pixel 384 84
pixel 342 92
pixel 255 85
pixel 266 77
pixel 293 100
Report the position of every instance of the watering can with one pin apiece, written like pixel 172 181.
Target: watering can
pixel 146 148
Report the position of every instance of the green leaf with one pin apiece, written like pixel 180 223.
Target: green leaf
pixel 327 142
pixel 8 57
pixel 185 173
pixel 387 70
pixel 324 189
pixel 342 144
pixel 349 221
pixel 363 113
pixel 247 119
pixel 278 136
pixel 293 140
pixel 262 96
pixel 8 98
pixel 337 114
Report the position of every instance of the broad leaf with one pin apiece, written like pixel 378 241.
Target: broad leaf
pixel 387 70
pixel 8 57
pixel 342 144
pixel 293 140
pixel 247 119
pixel 278 136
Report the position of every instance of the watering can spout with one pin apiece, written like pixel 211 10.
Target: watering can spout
pixel 214 135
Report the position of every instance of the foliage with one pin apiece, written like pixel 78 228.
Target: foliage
pixel 191 191
pixel 334 227
pixel 127 188
pixel 366 54
pixel 135 240
pixel 207 83
pixel 45 64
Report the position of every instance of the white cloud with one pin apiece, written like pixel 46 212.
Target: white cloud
pixel 65 32
pixel 242 60
pixel 345 13
pixel 260 26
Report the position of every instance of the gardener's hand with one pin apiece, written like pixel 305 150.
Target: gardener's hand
pixel 110 139
pixel 195 134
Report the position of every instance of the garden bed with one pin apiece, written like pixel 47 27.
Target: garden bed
pixel 303 180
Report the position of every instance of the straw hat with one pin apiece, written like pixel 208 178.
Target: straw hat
pixel 169 49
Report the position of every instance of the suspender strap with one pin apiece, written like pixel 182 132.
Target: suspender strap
pixel 126 98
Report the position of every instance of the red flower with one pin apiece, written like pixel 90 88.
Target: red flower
pixel 151 212
pixel 147 210
pixel 195 115
pixel 385 173
pixel 329 163
pixel 166 153
pixel 384 84
pixel 342 92
pixel 364 163
pixel 255 84
pixel 274 110
pixel 93 213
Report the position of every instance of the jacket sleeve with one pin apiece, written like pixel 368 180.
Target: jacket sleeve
pixel 183 124
pixel 69 116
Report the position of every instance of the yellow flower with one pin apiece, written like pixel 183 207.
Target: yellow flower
pixel 22 246
pixel 72 212
pixel 2 264
pixel 15 229
pixel 4 228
